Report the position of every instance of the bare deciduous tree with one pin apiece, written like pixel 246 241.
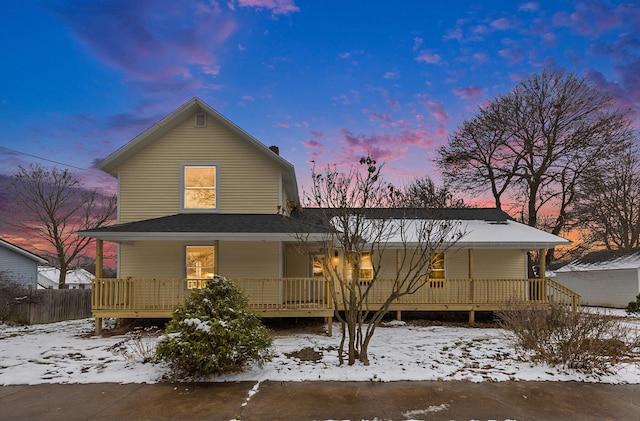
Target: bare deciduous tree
pixel 367 226
pixel 51 204
pixel 424 193
pixel 608 207
pixel 534 145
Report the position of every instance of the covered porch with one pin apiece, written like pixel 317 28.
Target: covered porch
pixel 311 297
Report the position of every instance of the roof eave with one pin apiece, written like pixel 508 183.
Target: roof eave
pixel 124 237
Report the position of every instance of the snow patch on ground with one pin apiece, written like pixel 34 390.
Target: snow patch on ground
pixel 67 352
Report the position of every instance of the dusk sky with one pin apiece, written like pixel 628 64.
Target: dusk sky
pixel 324 80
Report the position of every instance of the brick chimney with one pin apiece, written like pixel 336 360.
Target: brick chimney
pixel 275 149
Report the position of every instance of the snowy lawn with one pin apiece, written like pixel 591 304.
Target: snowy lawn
pixel 66 352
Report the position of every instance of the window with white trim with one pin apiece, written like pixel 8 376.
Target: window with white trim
pixel 199 185
pixel 200 265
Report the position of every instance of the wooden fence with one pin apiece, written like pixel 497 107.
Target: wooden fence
pixel 51 305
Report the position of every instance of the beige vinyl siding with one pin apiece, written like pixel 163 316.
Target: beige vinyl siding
pixel 456 264
pixel 297 262
pixel 248 259
pixel 149 182
pixel 499 264
pixel 388 262
pixel 149 259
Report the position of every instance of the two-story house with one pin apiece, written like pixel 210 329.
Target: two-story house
pixel 198 196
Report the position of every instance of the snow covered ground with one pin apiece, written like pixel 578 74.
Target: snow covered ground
pixel 66 352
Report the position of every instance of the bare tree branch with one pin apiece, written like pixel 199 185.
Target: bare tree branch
pixel 52 205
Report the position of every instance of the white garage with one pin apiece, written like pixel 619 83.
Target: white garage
pixel 608 278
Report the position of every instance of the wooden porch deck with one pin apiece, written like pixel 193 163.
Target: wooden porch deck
pixel 310 297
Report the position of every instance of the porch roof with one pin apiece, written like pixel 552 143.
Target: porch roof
pixel 193 226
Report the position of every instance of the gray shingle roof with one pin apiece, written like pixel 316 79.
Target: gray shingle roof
pixel 312 221
pixel 213 223
pixel 463 214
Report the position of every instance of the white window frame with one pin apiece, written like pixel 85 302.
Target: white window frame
pixel 183 167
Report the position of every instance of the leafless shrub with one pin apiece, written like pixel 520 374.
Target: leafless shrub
pixel 11 294
pixel 138 345
pixel 578 340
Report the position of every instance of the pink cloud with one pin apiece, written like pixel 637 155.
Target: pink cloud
pixel 277 7
pixel 469 92
pixel 501 24
pixel 391 75
pixel 592 18
pixel 147 45
pixel 480 58
pixel 317 149
pixel 512 51
pixel 480 30
pixel 391 102
pixel 382 147
pixel 428 56
pixel 456 32
pixel 312 144
pixel 381 117
pixel 437 110
pixel 417 42
pixel 316 134
pixel 531 6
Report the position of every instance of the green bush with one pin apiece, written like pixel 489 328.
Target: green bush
pixel 634 306
pixel 213 333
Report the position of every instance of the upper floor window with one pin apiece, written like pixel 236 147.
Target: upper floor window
pixel 199 187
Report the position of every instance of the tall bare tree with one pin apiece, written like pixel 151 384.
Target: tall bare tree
pixel 533 146
pixel 362 210
pixel 52 205
pixel 424 193
pixel 608 207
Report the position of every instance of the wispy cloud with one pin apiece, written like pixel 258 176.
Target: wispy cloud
pixel 428 56
pixel 387 147
pixel 277 7
pixel 469 92
pixel 594 17
pixel 501 24
pixel 531 6
pixel 150 46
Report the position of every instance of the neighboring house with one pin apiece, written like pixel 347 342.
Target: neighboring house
pixel 198 196
pixel 608 278
pixel 18 265
pixel 49 278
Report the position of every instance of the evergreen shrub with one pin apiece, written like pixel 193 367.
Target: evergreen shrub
pixel 214 333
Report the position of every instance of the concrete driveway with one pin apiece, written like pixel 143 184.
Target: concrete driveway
pixel 323 401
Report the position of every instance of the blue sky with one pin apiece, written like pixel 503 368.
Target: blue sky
pixel 324 80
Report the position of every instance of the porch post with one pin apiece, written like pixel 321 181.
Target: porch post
pixel 99 263
pixel 542 257
pixel 472 313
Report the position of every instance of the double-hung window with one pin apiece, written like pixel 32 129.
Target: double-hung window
pixel 199 187
pixel 200 263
